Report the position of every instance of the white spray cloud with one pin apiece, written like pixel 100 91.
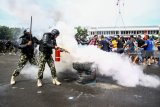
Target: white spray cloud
pixel 120 68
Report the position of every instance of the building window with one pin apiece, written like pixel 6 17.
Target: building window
pixel 100 32
pixel 92 33
pixel 153 31
pixel 111 32
pixel 122 32
pixel 157 32
pixel 135 32
pixel 117 32
pixel 126 32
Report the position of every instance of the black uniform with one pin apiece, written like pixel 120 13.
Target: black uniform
pixel 120 44
pixel 27 52
pixel 47 43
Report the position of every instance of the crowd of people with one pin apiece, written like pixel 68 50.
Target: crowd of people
pixel 8 46
pixel 141 50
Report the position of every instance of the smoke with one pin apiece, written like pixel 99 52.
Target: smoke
pixel 119 68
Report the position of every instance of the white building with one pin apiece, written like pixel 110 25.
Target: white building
pixel 124 31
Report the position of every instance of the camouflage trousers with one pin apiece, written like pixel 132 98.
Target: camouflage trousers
pixel 43 58
pixel 22 62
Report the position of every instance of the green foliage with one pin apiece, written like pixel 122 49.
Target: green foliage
pixel 81 33
pixel 4 32
pixel 154 37
pixel 16 32
pixel 9 33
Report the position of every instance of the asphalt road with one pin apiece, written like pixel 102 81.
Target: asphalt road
pixel 104 93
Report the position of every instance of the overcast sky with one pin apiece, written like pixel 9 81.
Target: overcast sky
pixel 79 12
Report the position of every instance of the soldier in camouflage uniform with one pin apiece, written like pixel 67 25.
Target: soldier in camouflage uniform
pixel 27 53
pixel 47 43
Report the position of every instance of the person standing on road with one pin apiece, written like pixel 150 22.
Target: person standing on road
pixel 47 43
pixel 139 50
pixel 148 51
pixel 27 53
pixel 104 44
pixel 120 45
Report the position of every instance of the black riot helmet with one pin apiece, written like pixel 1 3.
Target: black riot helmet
pixel 26 31
pixel 55 32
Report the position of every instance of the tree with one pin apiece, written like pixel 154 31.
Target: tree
pixel 9 33
pixel 81 33
pixel 15 32
pixel 5 32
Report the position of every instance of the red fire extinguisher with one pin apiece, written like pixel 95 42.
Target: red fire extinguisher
pixel 57 55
